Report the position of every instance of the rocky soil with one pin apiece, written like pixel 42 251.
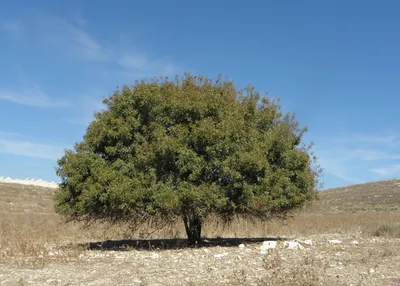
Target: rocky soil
pixel 330 260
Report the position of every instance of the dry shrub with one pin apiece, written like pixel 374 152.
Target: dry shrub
pixel 388 231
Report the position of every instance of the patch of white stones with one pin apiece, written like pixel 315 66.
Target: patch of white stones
pixel 296 244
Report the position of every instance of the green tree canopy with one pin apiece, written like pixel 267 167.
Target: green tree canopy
pixel 187 148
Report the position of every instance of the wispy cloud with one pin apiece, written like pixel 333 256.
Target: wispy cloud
pixel 90 49
pixel 108 64
pixel 73 38
pixel 360 158
pixel 31 96
pixel 137 61
pixel 374 155
pixel 11 26
pixel 389 171
pixel 140 62
pixel 368 139
pixel 89 105
pixel 67 37
pixel 30 149
pixel 332 165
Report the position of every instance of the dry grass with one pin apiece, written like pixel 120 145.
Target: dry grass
pixel 38 248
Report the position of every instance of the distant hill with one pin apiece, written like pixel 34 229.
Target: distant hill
pixel 21 199
pixel 30 182
pixel 376 196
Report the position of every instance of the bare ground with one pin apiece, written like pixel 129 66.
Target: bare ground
pixel 37 248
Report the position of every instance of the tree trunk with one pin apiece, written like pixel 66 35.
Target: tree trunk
pixel 193 228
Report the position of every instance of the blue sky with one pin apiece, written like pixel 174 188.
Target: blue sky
pixel 334 63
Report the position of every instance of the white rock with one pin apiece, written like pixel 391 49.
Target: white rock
pixel 220 255
pixel 292 245
pixel 242 245
pixel 155 255
pixel 335 241
pixel 307 242
pixel 271 244
pixel 355 242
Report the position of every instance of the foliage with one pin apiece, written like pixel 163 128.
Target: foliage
pixel 187 148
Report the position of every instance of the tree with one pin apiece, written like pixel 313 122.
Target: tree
pixel 187 148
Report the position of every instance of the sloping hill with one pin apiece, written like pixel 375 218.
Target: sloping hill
pixel 22 199
pixel 376 196
pixel 371 197
pixel 21 196
pixel 36 244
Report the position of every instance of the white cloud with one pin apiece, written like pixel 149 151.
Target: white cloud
pixel 388 171
pixel 373 155
pixel 333 164
pixel 32 97
pixel 359 158
pixel 89 105
pixel 137 61
pixel 73 38
pixel 68 37
pixel 140 63
pixel 90 49
pixel 386 140
pixel 110 64
pixel 30 149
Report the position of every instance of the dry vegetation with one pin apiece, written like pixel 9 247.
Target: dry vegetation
pixel 38 248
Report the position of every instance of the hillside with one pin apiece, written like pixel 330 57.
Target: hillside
pixel 354 233
pixel 22 199
pixel 375 196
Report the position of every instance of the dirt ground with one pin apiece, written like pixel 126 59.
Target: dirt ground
pixel 37 248
pixel 371 262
